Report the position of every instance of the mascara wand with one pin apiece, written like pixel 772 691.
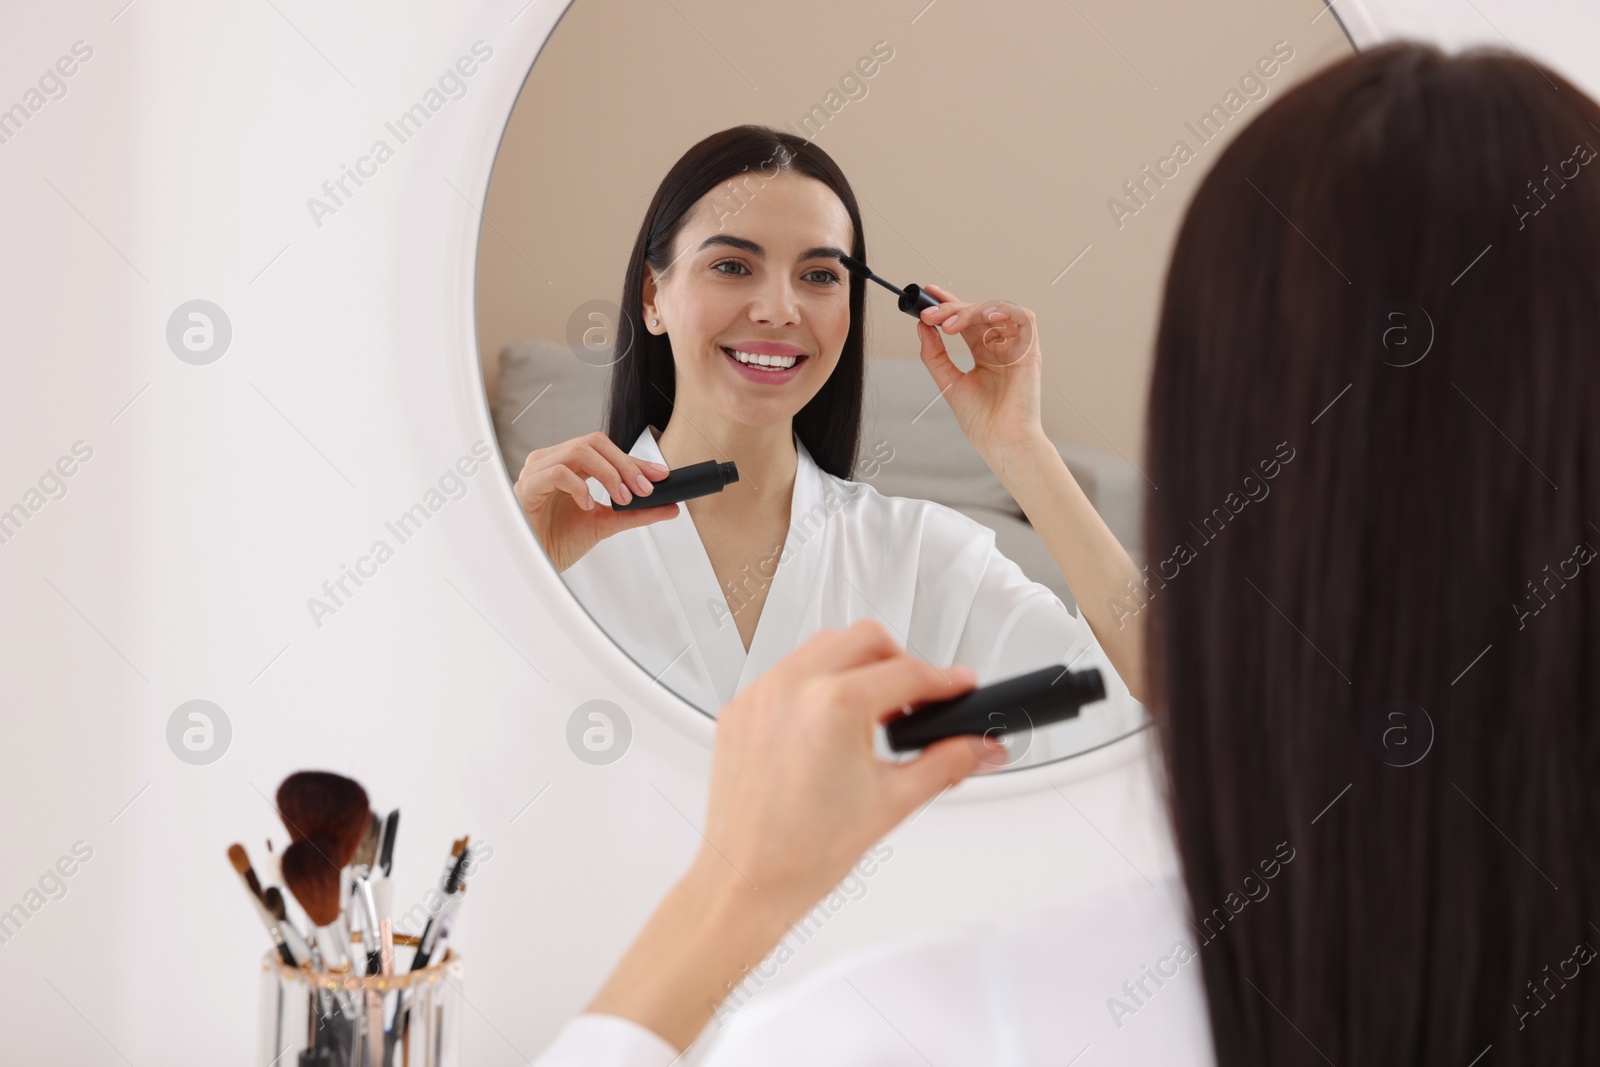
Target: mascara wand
pixel 912 298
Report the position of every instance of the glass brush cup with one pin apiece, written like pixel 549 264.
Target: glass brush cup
pixel 343 1019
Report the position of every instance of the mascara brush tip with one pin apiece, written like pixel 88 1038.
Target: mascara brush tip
pixel 856 267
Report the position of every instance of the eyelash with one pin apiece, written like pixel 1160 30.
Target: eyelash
pixel 833 278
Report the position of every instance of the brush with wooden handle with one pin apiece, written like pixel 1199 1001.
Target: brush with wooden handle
pixel 241 863
pixel 273 898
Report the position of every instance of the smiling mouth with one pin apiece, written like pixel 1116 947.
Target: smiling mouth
pixel 761 362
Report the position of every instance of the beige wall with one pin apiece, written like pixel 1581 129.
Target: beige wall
pixel 984 154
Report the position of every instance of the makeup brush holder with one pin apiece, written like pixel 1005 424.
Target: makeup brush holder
pixel 320 1019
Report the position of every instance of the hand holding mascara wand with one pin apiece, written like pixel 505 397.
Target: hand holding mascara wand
pixel 997 405
pixel 997 402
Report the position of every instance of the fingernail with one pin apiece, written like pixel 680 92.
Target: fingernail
pixel 623 496
pixel 642 482
pixel 659 466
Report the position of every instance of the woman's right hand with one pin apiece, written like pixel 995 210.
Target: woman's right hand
pixel 555 496
pixel 797 795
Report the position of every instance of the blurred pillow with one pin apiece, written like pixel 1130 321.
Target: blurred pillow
pixel 910 435
pixel 547 395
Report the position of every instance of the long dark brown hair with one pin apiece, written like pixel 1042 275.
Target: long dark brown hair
pixel 1383 658
pixel 643 380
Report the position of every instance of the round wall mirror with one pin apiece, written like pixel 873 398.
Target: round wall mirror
pixel 658 281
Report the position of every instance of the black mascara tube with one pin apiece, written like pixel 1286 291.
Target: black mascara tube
pixel 685 483
pixel 1024 702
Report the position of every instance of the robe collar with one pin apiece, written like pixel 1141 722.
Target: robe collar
pixel 792 585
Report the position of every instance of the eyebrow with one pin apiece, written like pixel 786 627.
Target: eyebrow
pixel 819 252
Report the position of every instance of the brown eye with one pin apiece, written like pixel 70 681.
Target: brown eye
pixel 729 263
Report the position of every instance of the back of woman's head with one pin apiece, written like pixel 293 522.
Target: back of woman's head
pixel 1375 440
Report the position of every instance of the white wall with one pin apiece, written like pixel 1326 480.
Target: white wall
pixel 218 499
pixel 1563 34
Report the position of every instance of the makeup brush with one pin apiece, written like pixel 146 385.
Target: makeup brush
pixel 361 888
pixel 312 876
pixel 391 827
pixel 382 888
pixel 458 870
pixel 271 873
pixel 241 863
pixel 273 899
pixel 447 916
pixel 323 1014
pixel 449 886
pixel 380 1048
pixel 386 943
pixel 326 804
pixel 912 298
pixel 366 854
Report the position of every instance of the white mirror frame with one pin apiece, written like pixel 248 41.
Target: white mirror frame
pixel 462 230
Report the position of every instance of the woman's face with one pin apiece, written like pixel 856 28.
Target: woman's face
pixel 757 274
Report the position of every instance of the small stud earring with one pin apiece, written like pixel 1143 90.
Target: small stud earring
pixel 652 322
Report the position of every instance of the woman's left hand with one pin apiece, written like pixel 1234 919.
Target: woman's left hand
pixel 997 401
pixel 997 405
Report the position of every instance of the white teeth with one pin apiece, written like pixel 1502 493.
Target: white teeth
pixel 754 359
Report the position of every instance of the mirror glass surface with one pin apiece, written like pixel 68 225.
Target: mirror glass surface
pixel 1032 151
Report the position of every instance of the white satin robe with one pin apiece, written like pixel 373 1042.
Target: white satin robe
pixel 1113 978
pixel 930 574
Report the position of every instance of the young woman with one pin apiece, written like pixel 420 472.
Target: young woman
pixel 742 340
pixel 1377 690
